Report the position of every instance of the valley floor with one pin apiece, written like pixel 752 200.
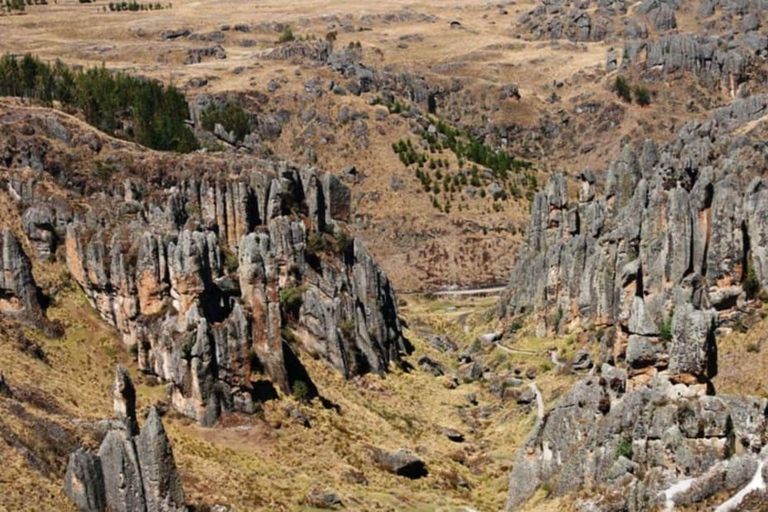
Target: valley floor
pixel 276 459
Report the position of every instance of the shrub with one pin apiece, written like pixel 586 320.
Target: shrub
pixel 751 284
pixel 291 301
pixel 343 241
pixel 622 89
pixel 348 329
pixel 286 36
pixel 316 244
pixel 624 449
pixel 231 116
pixel 753 347
pixel 665 330
pixel 230 259
pixel 642 96
pixel 300 390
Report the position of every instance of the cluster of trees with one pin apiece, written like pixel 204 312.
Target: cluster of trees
pixel 625 91
pixel 468 147
pixel 436 177
pixel 230 115
pixel 9 6
pixel 133 108
pixel 136 6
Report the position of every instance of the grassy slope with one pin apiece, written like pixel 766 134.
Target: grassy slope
pixel 270 462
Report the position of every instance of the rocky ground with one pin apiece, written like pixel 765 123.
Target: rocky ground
pixel 238 328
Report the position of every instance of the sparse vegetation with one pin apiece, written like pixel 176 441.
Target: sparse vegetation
pixel 622 88
pixel 642 96
pixel 291 301
pixel 137 6
pixel 624 449
pixel 286 36
pixel 751 284
pixel 665 330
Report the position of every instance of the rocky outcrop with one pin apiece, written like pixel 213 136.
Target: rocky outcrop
pixel 215 273
pixel 673 249
pixel 18 292
pixel 671 232
pixel 84 481
pixel 131 472
pixel 711 58
pixel 631 449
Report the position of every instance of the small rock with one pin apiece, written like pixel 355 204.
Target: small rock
pixel 470 372
pixel 582 361
pixel 491 337
pixel 443 344
pixel 429 365
pixel 453 434
pixel 4 389
pixel 527 396
pixel 319 498
pixel 401 462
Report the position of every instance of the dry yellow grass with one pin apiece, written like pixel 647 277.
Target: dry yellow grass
pixel 272 463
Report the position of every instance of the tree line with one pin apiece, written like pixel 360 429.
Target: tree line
pixel 138 109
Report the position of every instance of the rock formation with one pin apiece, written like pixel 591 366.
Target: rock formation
pixel 674 248
pixel 18 292
pixel 132 471
pixel 215 272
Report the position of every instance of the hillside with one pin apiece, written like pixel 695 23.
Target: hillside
pixel 252 254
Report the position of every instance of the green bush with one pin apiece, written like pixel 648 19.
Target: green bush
pixel 622 88
pixel 291 301
pixel 665 330
pixel 137 109
pixel 286 36
pixel 624 449
pixel 300 390
pixel 231 116
pixel 348 329
pixel 343 241
pixel 230 259
pixel 751 284
pixel 642 96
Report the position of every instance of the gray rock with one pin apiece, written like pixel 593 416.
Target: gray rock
pixel 18 291
pixel 401 462
pixel 84 482
pixel 124 490
pixel 162 485
pixel 692 349
pixel 490 337
pixel 124 400
pixel 469 372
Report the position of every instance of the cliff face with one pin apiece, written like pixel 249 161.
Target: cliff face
pixel 674 250
pixel 214 271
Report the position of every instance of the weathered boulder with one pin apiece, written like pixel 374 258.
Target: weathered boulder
pixel 400 462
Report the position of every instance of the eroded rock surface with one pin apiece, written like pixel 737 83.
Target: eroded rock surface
pixel 132 472
pixel 216 272
pixel 674 248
